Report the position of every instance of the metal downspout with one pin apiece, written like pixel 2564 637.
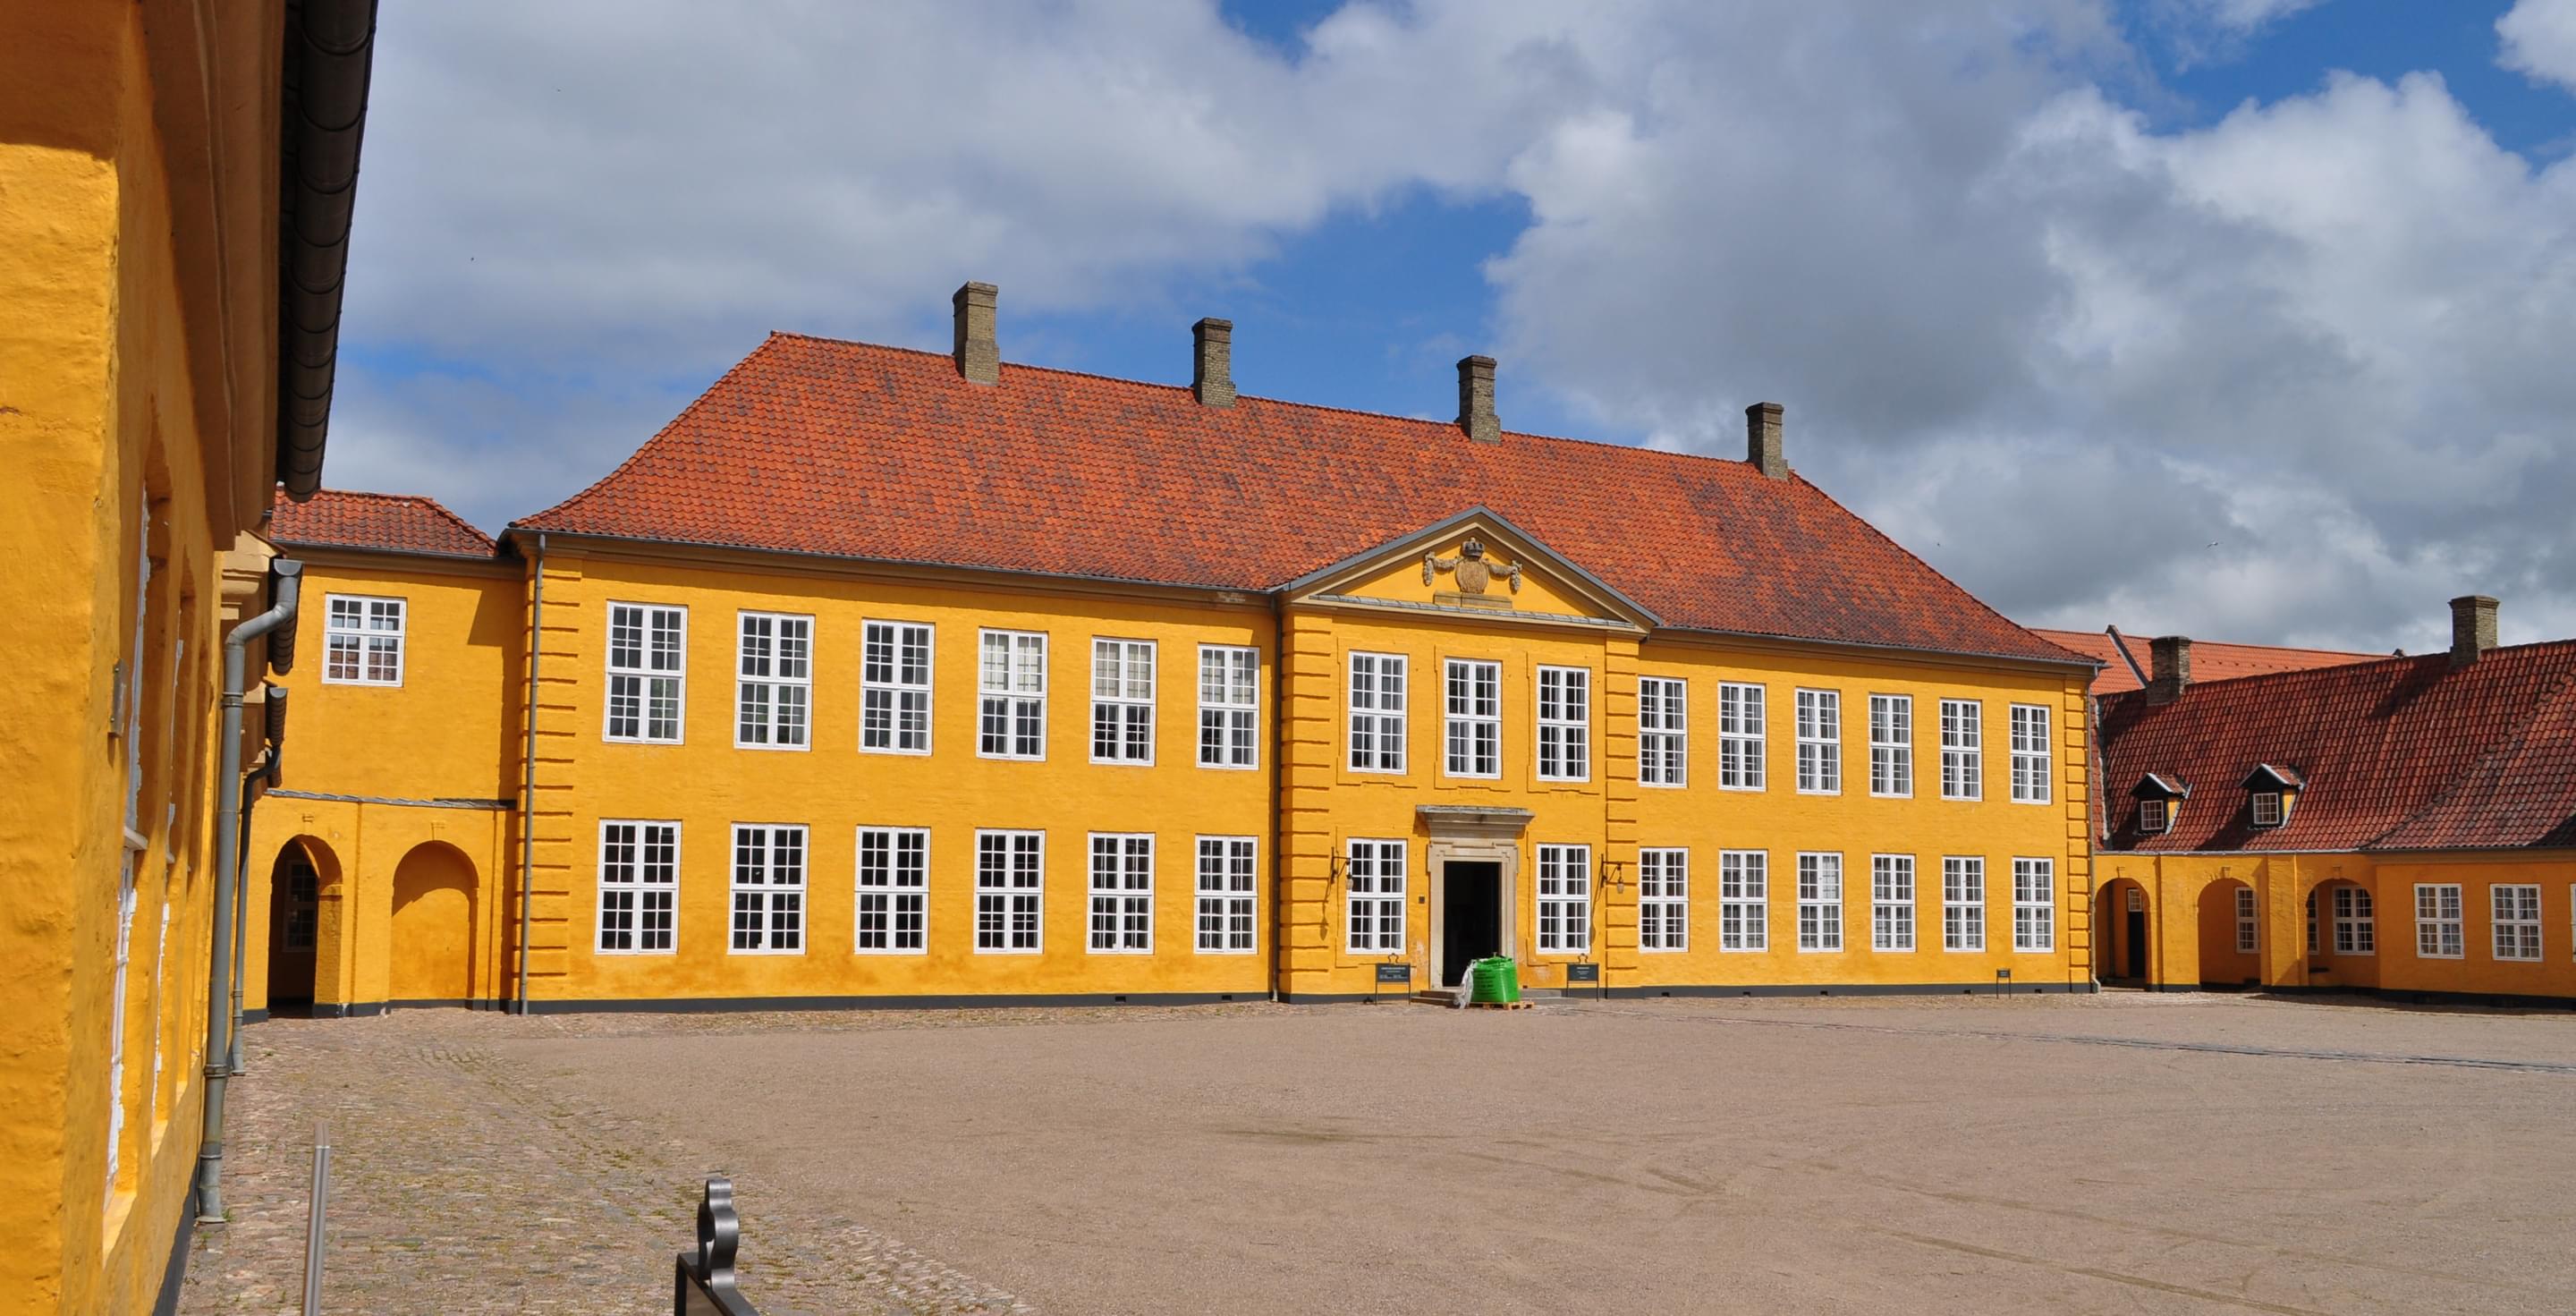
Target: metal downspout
pixel 288 574
pixel 528 771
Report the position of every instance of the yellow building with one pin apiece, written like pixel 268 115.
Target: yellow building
pixel 174 190
pixel 883 676
pixel 2405 826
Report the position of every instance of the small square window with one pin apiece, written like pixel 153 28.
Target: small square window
pixel 2267 808
pixel 2155 816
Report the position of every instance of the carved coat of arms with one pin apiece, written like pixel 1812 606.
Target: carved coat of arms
pixel 1472 571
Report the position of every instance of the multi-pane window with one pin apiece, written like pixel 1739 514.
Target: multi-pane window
pixel 2312 922
pixel 2356 930
pixel 301 921
pixel 2248 937
pixel 1564 723
pixel 1225 895
pixel 1229 706
pixel 894 687
pixel 1963 749
pixel 1891 902
pixel 1122 701
pixel 773 685
pixel 2155 816
pixel 639 886
pixel 647 656
pixel 768 889
pixel 1663 731
pixel 1743 900
pixel 1820 742
pixel 362 641
pixel 1739 737
pixel 1891 744
pixel 2438 934
pixel 2030 754
pixel 894 890
pixel 1122 894
pixel 2034 904
pixel 2517 921
pixel 1963 903
pixel 1011 681
pixel 1010 885
pixel 1820 901
pixel 1663 899
pixel 1377 712
pixel 1374 878
pixel 1564 899
pixel 2267 808
pixel 1475 718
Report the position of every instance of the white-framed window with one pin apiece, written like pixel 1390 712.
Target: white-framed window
pixel 2155 816
pixel 1011 688
pixel 1963 749
pixel 2438 934
pixel 1891 745
pixel 1963 902
pixel 1565 723
pixel 1663 899
pixel 1122 701
pixel 774 682
pixel 894 687
pixel 1743 900
pixel 1373 877
pixel 1740 736
pixel 1226 895
pixel 1377 712
pixel 1010 891
pixel 2356 929
pixel 362 640
pixel 2030 754
pixel 648 651
pixel 893 891
pixel 768 889
pixel 1663 731
pixel 2517 920
pixel 2248 934
pixel 2267 808
pixel 2034 904
pixel 1564 899
pixel 1820 742
pixel 1122 893
pixel 639 886
pixel 1475 718
pixel 1820 901
pixel 1229 706
pixel 1891 902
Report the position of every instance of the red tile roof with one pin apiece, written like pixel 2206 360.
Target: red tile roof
pixel 2398 754
pixel 382 523
pixel 2210 660
pixel 812 445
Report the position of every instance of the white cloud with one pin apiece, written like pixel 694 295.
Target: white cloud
pixel 2540 40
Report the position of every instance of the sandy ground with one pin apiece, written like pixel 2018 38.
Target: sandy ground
pixel 2113 1154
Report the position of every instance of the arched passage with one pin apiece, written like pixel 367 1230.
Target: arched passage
pixel 433 927
pixel 2125 918
pixel 304 866
pixel 2231 935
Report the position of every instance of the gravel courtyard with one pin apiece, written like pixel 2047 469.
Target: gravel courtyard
pixel 2118 1153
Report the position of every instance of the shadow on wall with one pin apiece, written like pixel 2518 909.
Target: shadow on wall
pixel 433 927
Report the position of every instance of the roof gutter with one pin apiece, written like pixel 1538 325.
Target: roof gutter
pixel 330 53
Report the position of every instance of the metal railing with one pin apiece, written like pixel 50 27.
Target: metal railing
pixel 704 1285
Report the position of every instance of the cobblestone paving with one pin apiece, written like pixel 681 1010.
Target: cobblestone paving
pixel 459 1186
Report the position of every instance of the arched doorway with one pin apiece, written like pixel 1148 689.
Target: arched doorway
pixel 433 927
pixel 295 882
pixel 2231 935
pixel 2122 915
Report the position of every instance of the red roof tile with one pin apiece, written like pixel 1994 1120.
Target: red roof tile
pixel 2210 660
pixel 383 523
pixel 842 449
pixel 2398 754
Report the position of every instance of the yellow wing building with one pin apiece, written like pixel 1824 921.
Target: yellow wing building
pixel 886 677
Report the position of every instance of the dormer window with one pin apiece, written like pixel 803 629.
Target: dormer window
pixel 2272 791
pixel 2159 797
pixel 2267 808
pixel 2155 816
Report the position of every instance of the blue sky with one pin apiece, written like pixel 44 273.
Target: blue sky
pixel 2215 315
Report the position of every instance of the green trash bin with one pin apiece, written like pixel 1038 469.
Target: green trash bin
pixel 1494 981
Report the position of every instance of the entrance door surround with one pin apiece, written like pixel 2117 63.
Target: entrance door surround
pixel 1472 833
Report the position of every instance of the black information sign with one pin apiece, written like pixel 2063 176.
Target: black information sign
pixel 1575 973
pixel 1395 973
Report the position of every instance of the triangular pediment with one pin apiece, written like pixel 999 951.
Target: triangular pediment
pixel 1474 564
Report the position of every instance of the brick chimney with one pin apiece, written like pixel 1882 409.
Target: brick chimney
pixel 978 358
pixel 2168 668
pixel 1476 399
pixel 1212 370
pixel 1762 439
pixel 2473 628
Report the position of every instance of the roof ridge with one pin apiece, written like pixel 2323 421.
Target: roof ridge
pixel 2231 644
